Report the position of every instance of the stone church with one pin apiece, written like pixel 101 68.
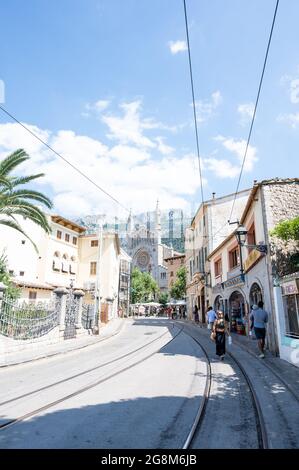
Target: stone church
pixel 143 244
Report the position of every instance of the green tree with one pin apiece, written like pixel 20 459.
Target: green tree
pixel 143 286
pixel 178 290
pixel 287 230
pixel 19 201
pixel 163 298
pixel 12 291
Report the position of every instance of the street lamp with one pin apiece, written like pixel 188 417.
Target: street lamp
pixel 241 234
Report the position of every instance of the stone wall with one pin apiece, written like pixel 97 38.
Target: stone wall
pixel 282 203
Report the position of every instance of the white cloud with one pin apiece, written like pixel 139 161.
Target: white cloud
pixel 163 148
pixel 220 167
pixel 292 119
pixel 206 109
pixel 98 107
pixel 126 171
pixel 293 87
pixel 238 146
pixel 177 46
pixel 246 111
pixel 130 127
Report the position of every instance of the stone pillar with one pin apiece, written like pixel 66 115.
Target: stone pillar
pixel 61 295
pixel 2 292
pixel 79 294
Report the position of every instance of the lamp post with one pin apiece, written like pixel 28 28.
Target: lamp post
pixel 241 234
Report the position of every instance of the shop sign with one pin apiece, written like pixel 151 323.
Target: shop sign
pixel 251 259
pixel 289 288
pixel 234 282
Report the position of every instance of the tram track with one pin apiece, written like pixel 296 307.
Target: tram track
pixel 261 430
pixel 81 390
pixel 79 374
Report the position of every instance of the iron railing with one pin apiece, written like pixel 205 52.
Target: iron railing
pixel 88 316
pixel 27 320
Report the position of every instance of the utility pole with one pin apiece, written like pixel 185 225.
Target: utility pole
pixel 98 277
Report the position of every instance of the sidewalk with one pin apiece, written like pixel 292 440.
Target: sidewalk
pixel 288 372
pixel 63 347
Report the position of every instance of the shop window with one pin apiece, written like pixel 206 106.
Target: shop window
pixel 94 243
pixel 59 234
pixel 291 311
pixel 234 258
pixel 67 237
pixel 93 268
pixel 74 240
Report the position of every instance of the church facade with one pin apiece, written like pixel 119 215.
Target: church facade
pixel 143 244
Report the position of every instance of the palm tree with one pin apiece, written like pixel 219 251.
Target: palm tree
pixel 15 201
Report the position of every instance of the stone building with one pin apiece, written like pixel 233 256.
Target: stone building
pixel 269 274
pixel 208 229
pixel 173 264
pixel 147 251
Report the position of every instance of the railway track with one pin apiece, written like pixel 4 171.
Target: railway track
pixel 261 430
pixel 80 390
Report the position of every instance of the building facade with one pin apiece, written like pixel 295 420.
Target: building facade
pixel 173 264
pixel 268 275
pixel 208 228
pixel 66 255
pixel 147 251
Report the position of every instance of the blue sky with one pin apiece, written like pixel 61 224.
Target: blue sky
pixel 106 83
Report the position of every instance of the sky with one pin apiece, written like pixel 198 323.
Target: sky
pixel 106 83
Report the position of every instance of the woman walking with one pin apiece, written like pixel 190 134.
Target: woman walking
pixel 220 330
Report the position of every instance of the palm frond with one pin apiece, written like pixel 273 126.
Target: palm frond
pixel 31 194
pixel 17 181
pixel 16 226
pixel 12 161
pixel 28 210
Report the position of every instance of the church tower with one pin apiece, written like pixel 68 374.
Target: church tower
pixel 158 223
pixel 130 223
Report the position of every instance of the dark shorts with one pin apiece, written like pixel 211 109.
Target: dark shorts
pixel 260 333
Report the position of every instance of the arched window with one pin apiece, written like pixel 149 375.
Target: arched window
pixel 73 267
pixel 56 266
pixel 65 264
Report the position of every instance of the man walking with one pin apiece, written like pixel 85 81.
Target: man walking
pixel 211 317
pixel 260 318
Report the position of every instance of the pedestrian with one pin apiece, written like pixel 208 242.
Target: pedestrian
pixel 195 313
pixel 211 317
pixel 260 318
pixel 220 330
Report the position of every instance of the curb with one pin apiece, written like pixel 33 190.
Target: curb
pixel 64 352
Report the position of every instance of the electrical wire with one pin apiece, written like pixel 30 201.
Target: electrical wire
pixel 63 158
pixel 193 100
pixel 255 108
